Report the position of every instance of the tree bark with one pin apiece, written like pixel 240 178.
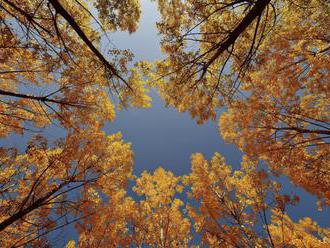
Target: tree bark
pixel 256 11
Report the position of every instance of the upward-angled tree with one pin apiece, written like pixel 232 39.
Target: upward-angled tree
pixel 284 115
pixel 268 62
pixel 242 208
pixel 159 221
pixel 234 208
pixel 156 221
pixel 54 69
pixel 210 45
pixel 48 188
pixel 53 66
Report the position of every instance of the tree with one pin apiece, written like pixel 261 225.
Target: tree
pixel 53 71
pixel 234 207
pixel 304 233
pixel 284 116
pixel 52 68
pixel 210 45
pixel 160 221
pixel 49 188
pixel 242 208
pixel 267 62
pixel 155 221
pixel 109 225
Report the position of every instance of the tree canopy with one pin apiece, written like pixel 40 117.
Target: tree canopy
pixel 261 68
pixel 267 62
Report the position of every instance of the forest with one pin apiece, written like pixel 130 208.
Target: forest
pixel 260 69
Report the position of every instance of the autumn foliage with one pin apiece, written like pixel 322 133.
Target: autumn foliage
pixel 261 66
pixel 267 62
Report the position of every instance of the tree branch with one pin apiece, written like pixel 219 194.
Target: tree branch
pixel 256 11
pixel 60 10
